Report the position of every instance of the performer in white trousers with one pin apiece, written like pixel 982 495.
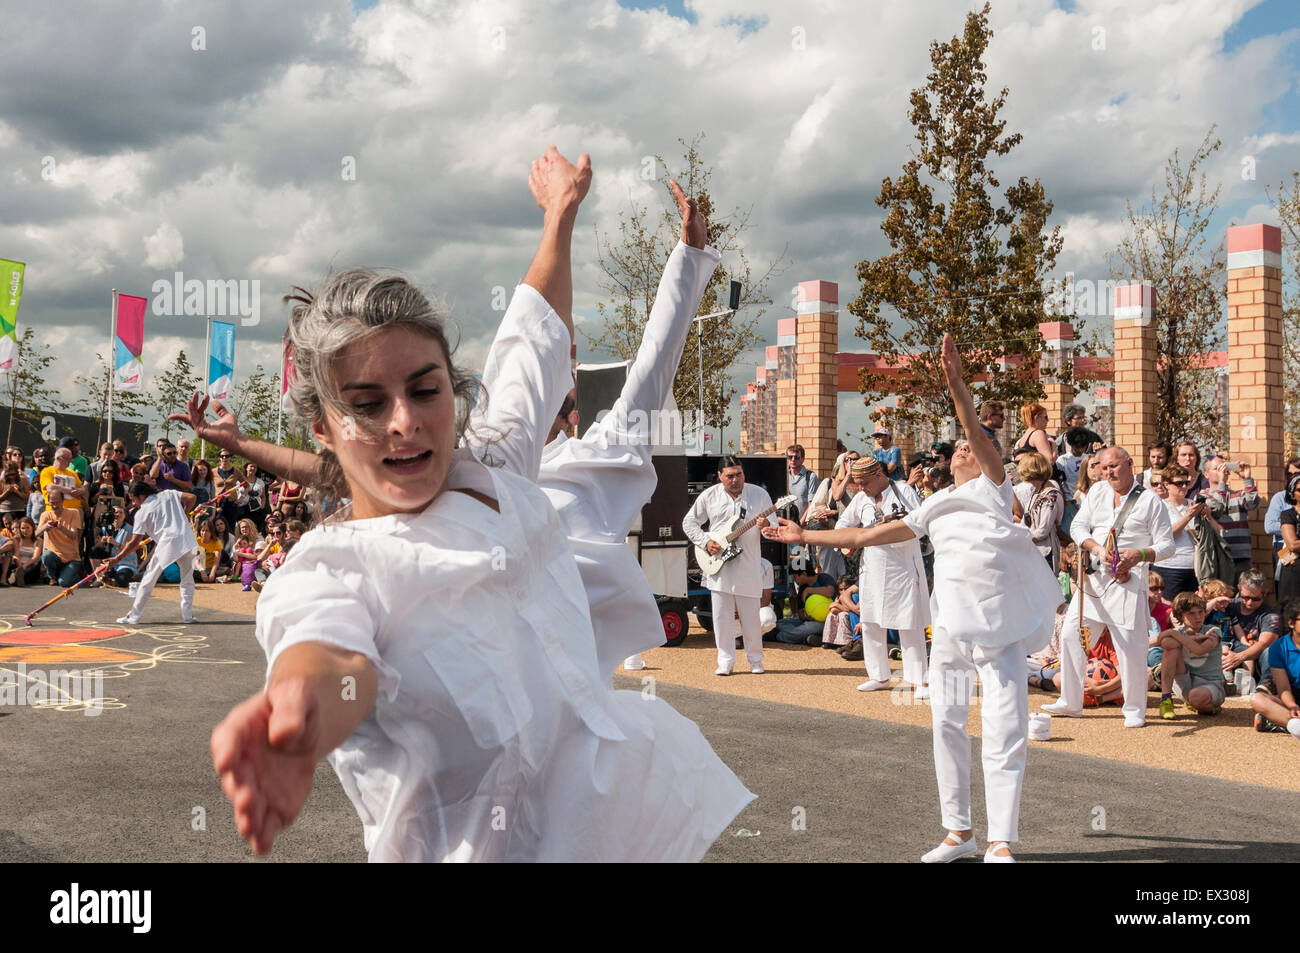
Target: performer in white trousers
pixel 994 599
pixel 1115 595
pixel 160 516
pixel 892 591
pixel 738 586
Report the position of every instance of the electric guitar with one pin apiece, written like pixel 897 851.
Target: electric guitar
pixel 712 565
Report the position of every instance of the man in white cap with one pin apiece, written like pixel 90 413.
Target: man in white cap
pixel 892 592
pixel 890 457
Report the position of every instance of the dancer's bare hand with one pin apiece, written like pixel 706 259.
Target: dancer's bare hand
pixel 224 431
pixel 557 184
pixel 787 532
pixel 952 365
pixel 695 230
pixel 265 752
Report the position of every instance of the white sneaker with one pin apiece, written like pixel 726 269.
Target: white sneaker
pixel 633 663
pixel 1293 726
pixel 1061 708
pixel 189 621
pixel 1138 722
pixel 756 669
pixel 127 620
pixel 873 685
pixel 722 670
pixel 920 692
pixel 992 858
pixel 946 853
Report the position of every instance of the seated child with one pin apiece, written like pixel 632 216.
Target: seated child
pixel 1192 665
pixel 841 618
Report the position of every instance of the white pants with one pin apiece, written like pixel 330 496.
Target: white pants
pixel 725 608
pixel 1130 648
pixel 875 653
pixel 151 574
pixel 1004 720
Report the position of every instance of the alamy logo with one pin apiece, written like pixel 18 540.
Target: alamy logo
pixel 103 906
pixel 56 688
pixel 226 298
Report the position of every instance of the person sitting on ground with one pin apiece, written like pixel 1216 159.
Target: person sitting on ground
pixel 1252 625
pixel 27 553
pixel 247 544
pixel 1191 665
pixel 800 628
pixel 1278 709
pixel 201 478
pixel 841 617
pixel 1161 608
pixel 1101 681
pixel 208 555
pixel 60 529
pixel 110 540
pixel 225 561
pixel 295 528
pixel 15 488
pixel 1045 665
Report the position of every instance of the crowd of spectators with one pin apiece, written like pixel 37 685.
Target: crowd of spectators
pixel 64 514
pixel 1213 631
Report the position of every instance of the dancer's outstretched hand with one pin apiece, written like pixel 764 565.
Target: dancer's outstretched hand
pixel 265 752
pixel 695 229
pixel 952 366
pixel 787 532
pixel 224 431
pixel 557 184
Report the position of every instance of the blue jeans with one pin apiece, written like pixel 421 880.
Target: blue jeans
pixel 795 632
pixel 65 574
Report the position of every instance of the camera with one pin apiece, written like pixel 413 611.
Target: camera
pixel 1232 466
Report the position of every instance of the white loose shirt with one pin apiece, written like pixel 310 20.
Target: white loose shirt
pixel 1184 556
pixel 991 585
pixel 1122 605
pixel 892 591
pixel 161 517
pixel 599 483
pixel 741 576
pixel 495 735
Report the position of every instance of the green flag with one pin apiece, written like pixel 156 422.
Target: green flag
pixel 11 292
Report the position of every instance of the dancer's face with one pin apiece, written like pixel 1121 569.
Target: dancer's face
pixel 964 465
pixel 398 382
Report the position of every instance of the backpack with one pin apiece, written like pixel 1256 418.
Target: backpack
pixel 1213 559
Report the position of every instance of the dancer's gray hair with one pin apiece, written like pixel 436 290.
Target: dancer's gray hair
pixel 349 308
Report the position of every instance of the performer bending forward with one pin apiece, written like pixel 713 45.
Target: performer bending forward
pixel 160 515
pixel 994 601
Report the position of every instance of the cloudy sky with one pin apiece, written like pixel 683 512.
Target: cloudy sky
pixel 214 137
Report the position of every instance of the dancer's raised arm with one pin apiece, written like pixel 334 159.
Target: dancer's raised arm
pixel 559 186
pixel 790 532
pixel 987 455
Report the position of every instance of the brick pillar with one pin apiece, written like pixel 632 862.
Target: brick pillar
pixel 1103 403
pixel 785 415
pixel 1255 365
pixel 1059 337
pixel 817 373
pixel 1135 369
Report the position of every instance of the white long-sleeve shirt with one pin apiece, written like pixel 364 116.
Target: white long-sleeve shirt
pixel 892 590
pixel 741 576
pixel 1147 526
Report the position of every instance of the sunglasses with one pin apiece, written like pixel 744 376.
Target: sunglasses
pixel 1251 598
pixel 1179 482
pixel 224 456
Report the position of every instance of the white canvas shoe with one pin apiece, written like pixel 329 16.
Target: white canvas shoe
pixel 873 685
pixel 756 669
pixel 946 853
pixel 722 670
pixel 992 858
pixel 127 620
pixel 1061 708
pixel 1138 722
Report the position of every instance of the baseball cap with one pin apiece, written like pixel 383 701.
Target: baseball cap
pixel 880 432
pixel 67 441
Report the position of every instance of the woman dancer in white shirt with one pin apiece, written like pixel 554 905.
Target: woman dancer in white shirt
pixel 473 722
pixel 994 601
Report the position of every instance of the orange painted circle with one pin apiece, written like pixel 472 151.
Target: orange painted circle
pixel 58 636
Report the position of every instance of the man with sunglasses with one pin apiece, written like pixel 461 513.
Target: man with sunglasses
pixel 169 472
pixel 1252 626
pixel 799 480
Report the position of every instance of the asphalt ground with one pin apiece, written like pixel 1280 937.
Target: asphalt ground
pixel 135 782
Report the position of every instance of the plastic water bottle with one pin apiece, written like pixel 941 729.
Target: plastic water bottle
pixel 1245 682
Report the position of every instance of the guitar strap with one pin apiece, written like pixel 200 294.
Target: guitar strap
pixel 1112 537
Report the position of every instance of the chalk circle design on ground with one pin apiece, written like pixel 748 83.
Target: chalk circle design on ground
pixel 76 643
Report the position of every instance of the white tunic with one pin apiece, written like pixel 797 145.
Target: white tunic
pixel 1147 526
pixel 892 591
pixel 991 585
pixel 161 517
pixel 495 736
pixel 598 484
pixel 741 576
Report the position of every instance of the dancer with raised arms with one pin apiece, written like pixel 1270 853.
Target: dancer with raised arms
pixel 994 601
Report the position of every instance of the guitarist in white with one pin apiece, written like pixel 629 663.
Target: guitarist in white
pixel 738 584
pixel 892 592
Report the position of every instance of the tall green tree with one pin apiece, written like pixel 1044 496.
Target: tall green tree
pixel 171 389
pixel 28 386
pixel 965 260
pixel 255 401
pixel 633 262
pixel 1168 245
pixel 92 399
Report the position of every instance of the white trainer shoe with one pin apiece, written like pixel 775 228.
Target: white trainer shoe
pixel 722 670
pixel 1061 708
pixel 756 669
pixel 873 685
pixel 946 853
pixel 127 620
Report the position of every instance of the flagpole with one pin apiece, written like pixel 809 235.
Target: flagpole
pixel 112 352
pixel 207 375
pixel 279 401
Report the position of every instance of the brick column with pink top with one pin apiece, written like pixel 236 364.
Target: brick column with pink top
pixel 1255 403
pixel 1059 338
pixel 817 362
pixel 1135 369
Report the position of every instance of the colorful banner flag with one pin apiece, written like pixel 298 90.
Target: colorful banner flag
pixel 221 359
pixel 11 292
pixel 128 365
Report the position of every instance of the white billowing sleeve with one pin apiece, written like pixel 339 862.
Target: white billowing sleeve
pixel 318 597
pixel 694 516
pixel 525 380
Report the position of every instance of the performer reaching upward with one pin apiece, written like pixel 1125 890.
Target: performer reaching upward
pixel 994 600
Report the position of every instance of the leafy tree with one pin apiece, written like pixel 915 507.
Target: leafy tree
pixel 1167 246
pixel 633 264
pixel 27 386
pixel 254 402
pixel 172 389
pixel 962 262
pixel 1287 204
pixel 92 400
